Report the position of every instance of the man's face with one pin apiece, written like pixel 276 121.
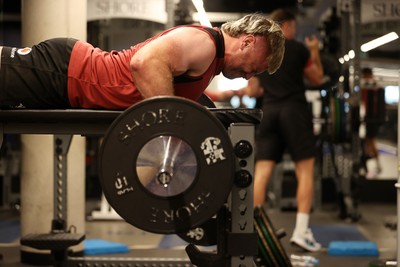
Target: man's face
pixel 249 60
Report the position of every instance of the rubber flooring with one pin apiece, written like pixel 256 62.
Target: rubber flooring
pixel 372 225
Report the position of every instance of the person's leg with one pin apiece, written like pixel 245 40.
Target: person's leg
pixel 301 145
pixel 305 193
pixel 305 184
pixel 269 149
pixel 262 173
pixel 302 236
pixel 370 147
pixel 372 153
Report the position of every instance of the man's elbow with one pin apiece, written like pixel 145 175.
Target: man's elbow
pixel 316 79
pixel 319 80
pixel 135 66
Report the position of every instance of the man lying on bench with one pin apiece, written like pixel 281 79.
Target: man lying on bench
pixel 65 73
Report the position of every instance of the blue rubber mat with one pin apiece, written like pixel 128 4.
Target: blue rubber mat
pixel 325 234
pixel 10 231
pixel 353 248
pixel 99 247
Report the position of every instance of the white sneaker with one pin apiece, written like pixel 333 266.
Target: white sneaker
pixel 306 241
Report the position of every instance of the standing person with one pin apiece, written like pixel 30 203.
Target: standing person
pixel 373 112
pixel 287 123
pixel 181 61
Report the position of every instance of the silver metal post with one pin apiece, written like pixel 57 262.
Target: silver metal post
pixel 242 198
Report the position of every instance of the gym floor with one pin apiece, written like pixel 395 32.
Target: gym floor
pixel 377 208
pixel 144 244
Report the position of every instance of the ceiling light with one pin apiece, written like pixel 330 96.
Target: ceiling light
pixel 379 41
pixel 352 54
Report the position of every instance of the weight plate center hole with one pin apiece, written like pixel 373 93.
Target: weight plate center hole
pixel 166 166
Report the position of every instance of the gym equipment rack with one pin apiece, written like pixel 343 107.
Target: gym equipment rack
pixel 238 246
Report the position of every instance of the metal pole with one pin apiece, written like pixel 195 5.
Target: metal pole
pixel 398 179
pixel 170 6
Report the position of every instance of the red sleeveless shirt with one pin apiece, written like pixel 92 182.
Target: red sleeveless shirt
pixel 100 79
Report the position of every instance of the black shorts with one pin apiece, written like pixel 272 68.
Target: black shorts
pixel 285 126
pixel 36 78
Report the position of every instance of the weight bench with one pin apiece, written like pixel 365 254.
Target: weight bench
pixel 85 121
pixel 65 123
pixel 51 121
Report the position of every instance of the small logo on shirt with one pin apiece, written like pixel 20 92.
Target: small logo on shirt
pixel 24 51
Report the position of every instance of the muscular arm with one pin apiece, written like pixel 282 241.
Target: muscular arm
pixel 314 72
pixel 184 50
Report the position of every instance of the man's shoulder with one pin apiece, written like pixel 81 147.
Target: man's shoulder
pixel 191 27
pixel 195 33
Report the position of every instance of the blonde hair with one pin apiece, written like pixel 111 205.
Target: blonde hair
pixel 259 24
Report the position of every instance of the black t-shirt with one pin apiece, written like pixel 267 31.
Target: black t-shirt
pixel 287 82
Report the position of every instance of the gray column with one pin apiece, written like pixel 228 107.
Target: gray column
pixel 41 20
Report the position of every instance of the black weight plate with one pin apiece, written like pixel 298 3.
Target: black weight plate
pixel 270 242
pixel 262 259
pixel 267 253
pixel 281 255
pixel 166 165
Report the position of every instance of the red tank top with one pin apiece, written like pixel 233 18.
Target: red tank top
pixel 100 79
